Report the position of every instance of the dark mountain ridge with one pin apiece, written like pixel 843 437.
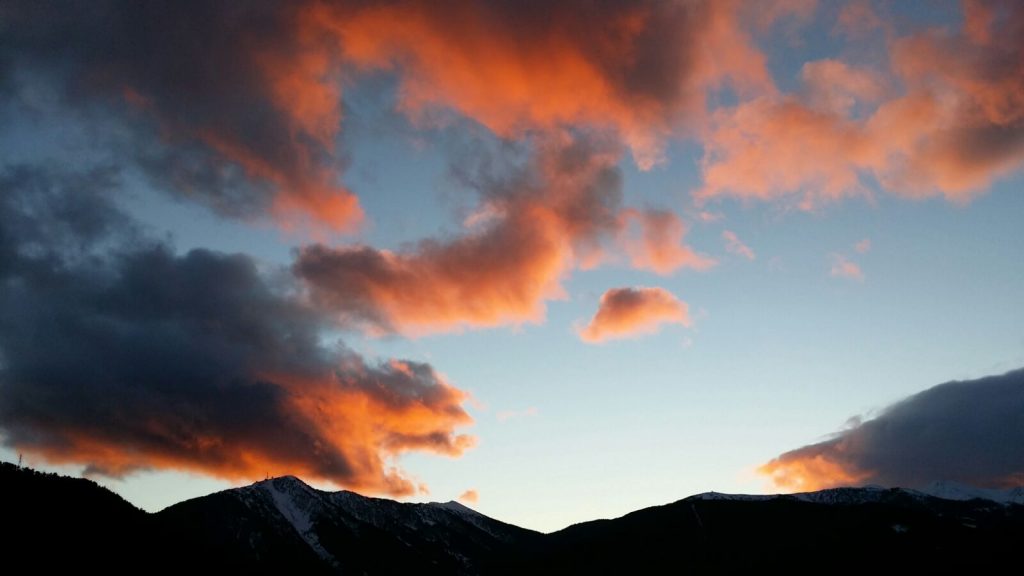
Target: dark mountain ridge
pixel 283 524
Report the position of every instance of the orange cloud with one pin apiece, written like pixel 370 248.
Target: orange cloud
pixel 863 247
pixel 842 267
pixel 807 471
pixel 772 148
pixel 637 68
pixel 414 410
pixel 250 91
pixel 302 81
pixel 956 124
pixel 337 429
pixel 501 271
pixel 471 496
pixel 659 246
pixel 734 245
pixel 626 312
pixel 249 108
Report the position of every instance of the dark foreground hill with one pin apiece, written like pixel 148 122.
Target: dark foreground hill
pixel 284 526
pixel 846 530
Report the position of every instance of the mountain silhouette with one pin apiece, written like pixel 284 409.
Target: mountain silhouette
pixel 282 525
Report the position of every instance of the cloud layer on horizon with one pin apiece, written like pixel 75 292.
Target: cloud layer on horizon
pixel 966 431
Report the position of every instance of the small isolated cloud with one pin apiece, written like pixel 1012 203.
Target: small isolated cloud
pixel 970 431
pixel 735 246
pixel 506 415
pixel 471 496
pixel 842 267
pixel 709 216
pixel 863 247
pixel 627 312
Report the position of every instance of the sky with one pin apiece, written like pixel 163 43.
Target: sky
pixel 557 260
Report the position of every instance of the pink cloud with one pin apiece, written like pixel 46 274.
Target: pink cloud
pixel 857 19
pixel 618 66
pixel 709 216
pixel 501 271
pixel 628 312
pixel 945 119
pixel 735 246
pixel 844 268
pixel 659 246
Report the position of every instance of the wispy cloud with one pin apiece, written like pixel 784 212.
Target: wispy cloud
pixel 660 246
pixel 842 267
pixel 506 415
pixel 709 216
pixel 735 246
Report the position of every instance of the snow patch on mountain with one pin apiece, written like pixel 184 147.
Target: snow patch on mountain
pixel 297 501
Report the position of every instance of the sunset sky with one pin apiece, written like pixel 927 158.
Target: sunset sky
pixel 561 259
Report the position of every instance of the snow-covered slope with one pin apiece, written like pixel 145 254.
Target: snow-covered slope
pixel 349 532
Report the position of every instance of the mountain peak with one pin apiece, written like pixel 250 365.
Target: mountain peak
pixel 456 506
pixel 286 479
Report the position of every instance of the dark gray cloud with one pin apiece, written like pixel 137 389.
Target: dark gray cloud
pixel 120 354
pixel 228 104
pixel 970 431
